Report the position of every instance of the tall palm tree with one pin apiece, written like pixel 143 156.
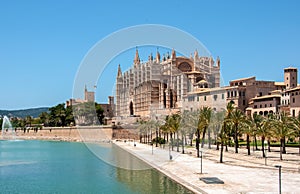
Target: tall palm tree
pixel 264 132
pixel 257 119
pixel 237 117
pixel 173 123
pixel 283 128
pixel 224 132
pixel 296 123
pixel 247 128
pixel 204 121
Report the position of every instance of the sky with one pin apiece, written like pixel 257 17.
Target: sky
pixel 42 43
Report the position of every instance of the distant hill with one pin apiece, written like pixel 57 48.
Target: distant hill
pixel 34 112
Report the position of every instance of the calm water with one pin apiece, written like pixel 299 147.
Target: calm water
pixel 64 167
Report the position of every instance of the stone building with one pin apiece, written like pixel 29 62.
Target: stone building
pixel 89 96
pixel 285 98
pixel 250 95
pixel 160 84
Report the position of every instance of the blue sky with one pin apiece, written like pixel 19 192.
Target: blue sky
pixel 42 43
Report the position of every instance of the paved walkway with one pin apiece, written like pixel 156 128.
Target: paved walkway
pixel 240 173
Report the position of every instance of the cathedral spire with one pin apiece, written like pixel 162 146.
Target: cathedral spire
pixel 119 71
pixel 196 56
pixel 173 54
pixel 218 61
pixel 157 57
pixel 136 58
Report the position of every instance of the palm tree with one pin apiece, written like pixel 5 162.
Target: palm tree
pixel 237 117
pixel 282 129
pixel 222 136
pixel 247 128
pixel 257 119
pixel 173 123
pixel 296 123
pixel 204 120
pixel 264 131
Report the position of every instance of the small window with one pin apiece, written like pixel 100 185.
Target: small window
pixel 265 105
pixel 204 98
pixel 293 112
pixel 255 106
pixel 215 97
pixel 228 94
pixel 293 100
pixel 244 102
pixel 270 105
pixel 260 106
pixel 222 96
pixel 260 93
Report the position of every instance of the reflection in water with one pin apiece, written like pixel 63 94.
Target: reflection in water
pixel 148 181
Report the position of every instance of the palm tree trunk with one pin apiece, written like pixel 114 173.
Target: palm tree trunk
pixel 283 144
pixel 198 142
pixel 218 144
pixel 167 137
pixel 221 152
pixel 203 137
pixel 263 146
pixel 156 140
pixel 299 144
pixel 248 144
pixel 191 138
pixel 236 141
pixel 255 140
pixel 177 142
pixel 171 139
pixel 182 144
pixel 209 141
pixel 281 149
pixel 269 146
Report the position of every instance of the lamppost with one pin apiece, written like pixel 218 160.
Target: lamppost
pixel 170 156
pixel 266 143
pixel 201 161
pixel 279 167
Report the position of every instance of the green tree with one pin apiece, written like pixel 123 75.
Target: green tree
pixel 296 123
pixel 44 118
pixel 237 117
pixel 204 119
pixel 283 128
pixel 173 123
pixel 100 113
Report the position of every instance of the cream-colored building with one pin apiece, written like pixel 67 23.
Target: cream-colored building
pixel 161 84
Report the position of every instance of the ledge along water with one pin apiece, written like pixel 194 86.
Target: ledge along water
pixel 34 166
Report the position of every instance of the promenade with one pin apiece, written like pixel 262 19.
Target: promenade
pixel 239 172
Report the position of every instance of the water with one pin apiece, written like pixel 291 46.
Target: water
pixel 7 130
pixel 69 167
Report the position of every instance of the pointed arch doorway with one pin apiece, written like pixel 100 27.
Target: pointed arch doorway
pixel 131 108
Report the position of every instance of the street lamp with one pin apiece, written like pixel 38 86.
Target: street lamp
pixel 279 167
pixel 201 160
pixel 170 156
pixel 266 149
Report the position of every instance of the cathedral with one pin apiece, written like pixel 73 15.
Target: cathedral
pixel 160 85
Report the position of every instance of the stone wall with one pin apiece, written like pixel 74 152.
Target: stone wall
pixel 65 133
